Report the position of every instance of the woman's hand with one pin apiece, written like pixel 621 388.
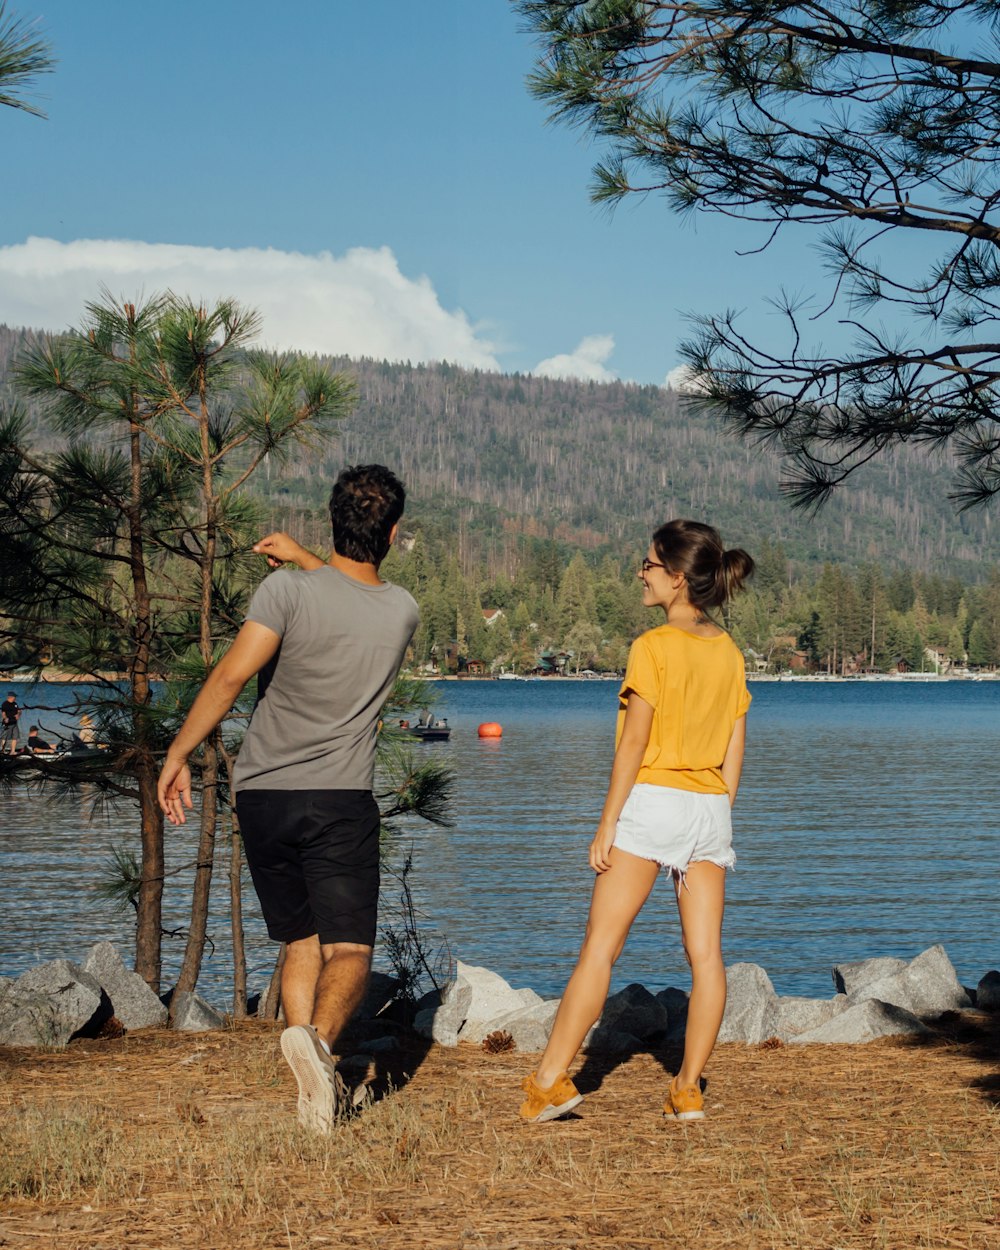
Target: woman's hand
pixel 600 848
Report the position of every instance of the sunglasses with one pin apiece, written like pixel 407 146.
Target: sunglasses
pixel 648 564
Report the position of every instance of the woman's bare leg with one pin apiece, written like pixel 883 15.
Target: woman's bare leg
pixel 618 897
pixel 701 903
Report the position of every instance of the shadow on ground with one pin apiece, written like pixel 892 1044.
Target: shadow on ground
pixel 976 1035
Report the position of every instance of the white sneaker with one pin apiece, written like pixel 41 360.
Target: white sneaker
pixel 319 1082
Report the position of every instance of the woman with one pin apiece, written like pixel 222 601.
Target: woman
pixel 678 759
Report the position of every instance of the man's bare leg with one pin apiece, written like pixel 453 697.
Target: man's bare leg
pixel 324 985
pixel 321 987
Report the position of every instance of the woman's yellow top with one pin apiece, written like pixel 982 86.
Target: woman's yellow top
pixel 698 689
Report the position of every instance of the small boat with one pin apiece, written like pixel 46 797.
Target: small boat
pixel 438 731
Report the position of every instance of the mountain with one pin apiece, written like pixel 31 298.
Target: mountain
pixel 496 459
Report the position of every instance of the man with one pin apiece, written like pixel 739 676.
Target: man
pixel 10 714
pixel 37 745
pixel 327 642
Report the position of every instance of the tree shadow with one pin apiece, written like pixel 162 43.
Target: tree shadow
pixel 976 1035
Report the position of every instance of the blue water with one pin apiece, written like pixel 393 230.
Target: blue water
pixel 867 824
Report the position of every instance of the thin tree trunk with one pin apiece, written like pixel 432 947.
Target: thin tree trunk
pixel 195 948
pixel 149 917
pixel 149 921
pixel 270 1004
pixel 197 930
pixel 236 901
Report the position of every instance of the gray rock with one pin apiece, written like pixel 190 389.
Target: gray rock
pixel 926 986
pixel 988 992
pixel 191 1014
pixel 800 1015
pixel 438 1024
pixel 676 1003
pixel 863 1022
pixel 611 1041
pixel 850 978
pixel 751 1005
pixel 635 1010
pixel 529 1026
pixel 132 1001
pixel 491 998
pixel 48 1005
pixel 441 1022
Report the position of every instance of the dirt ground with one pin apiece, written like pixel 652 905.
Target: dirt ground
pixel 158 1139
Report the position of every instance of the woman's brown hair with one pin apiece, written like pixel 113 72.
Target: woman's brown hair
pixel 713 575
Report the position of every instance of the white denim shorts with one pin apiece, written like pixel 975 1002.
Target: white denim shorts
pixel 676 828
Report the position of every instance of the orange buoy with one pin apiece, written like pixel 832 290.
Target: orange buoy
pixel 491 730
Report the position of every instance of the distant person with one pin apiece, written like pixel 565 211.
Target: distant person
pixel 36 745
pixel 677 766
pixel 10 714
pixel 85 734
pixel 327 642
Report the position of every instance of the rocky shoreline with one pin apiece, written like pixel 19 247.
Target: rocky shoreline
pixel 57 1002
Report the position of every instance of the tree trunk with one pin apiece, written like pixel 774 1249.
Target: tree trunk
pixel 270 1004
pixel 149 922
pixel 198 928
pixel 236 914
pixel 195 948
pixel 148 919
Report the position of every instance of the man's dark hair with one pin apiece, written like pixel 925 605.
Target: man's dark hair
pixel 366 502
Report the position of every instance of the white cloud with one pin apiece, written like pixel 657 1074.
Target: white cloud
pixel 586 362
pixel 358 304
pixel 685 380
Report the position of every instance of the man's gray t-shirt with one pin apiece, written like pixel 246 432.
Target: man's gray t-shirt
pixel 342 642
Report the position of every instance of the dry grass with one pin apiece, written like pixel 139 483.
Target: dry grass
pixel 160 1140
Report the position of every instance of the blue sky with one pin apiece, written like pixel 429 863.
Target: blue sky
pixel 374 177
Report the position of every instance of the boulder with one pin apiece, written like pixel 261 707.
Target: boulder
pixel 191 1014
pixel 863 1022
pixel 611 1041
pixel 635 1010
pixel 445 1013
pixel 437 1024
pixel 800 1015
pixel 926 986
pixel 491 997
pixel 676 1004
pixel 50 1004
pixel 850 978
pixel 133 1002
pixel 751 1005
pixel 988 992
pixel 528 1026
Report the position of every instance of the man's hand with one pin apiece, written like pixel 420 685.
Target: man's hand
pixel 600 848
pixel 280 547
pixel 174 789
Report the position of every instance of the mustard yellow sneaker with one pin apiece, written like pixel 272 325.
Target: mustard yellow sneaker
pixel 684 1104
pixel 548 1104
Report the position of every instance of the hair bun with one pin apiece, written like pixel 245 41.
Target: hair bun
pixel 735 567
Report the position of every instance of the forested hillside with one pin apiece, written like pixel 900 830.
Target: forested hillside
pixel 494 458
pixel 532 501
pixel 598 466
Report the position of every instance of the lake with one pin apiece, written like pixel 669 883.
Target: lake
pixel 866 825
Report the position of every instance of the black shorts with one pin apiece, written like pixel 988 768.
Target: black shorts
pixel 314 859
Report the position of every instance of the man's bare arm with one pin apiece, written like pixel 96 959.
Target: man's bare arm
pixel 252 647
